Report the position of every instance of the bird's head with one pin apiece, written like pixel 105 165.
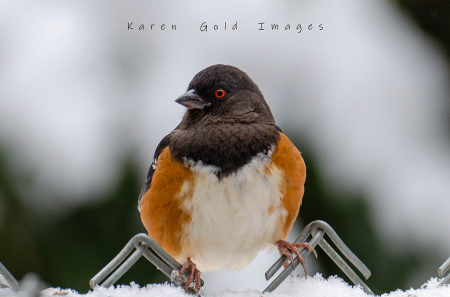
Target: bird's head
pixel 224 93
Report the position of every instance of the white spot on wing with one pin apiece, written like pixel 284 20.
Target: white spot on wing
pixel 141 196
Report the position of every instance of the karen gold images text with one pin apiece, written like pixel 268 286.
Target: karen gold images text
pixel 208 27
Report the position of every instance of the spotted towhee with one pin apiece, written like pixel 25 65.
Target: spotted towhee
pixel 226 183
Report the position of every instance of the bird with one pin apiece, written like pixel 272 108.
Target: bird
pixel 226 183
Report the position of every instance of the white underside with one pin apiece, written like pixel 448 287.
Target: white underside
pixel 234 218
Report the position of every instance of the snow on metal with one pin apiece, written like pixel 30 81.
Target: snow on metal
pixel 7 279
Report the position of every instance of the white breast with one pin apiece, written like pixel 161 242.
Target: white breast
pixel 234 218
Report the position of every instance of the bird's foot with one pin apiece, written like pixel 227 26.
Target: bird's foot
pixel 193 276
pixel 285 248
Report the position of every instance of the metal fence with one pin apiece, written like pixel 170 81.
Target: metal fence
pixel 145 246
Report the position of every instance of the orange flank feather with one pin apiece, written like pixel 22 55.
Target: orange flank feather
pixel 289 160
pixel 161 210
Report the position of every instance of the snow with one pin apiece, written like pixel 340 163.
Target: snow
pixel 315 286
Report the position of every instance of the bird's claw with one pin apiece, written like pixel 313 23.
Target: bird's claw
pixel 193 276
pixel 285 248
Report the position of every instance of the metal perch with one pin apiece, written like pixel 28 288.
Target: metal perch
pixel 317 230
pixel 147 247
pixel 443 270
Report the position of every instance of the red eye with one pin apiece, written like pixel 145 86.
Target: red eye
pixel 220 93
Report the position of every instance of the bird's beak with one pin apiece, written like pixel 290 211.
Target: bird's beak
pixel 191 100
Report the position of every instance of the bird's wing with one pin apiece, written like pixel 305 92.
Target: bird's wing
pixel 146 186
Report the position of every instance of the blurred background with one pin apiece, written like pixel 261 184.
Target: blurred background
pixel 84 102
